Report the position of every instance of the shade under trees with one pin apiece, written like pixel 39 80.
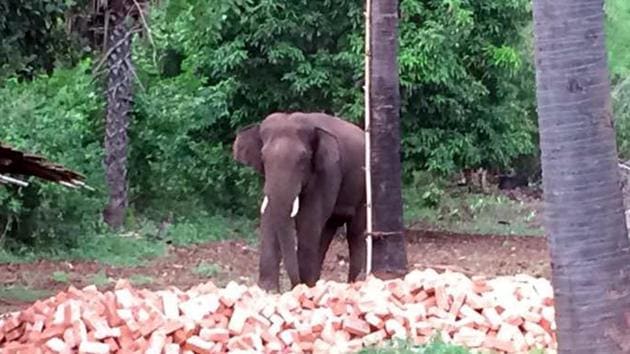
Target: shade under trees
pixel 584 212
pixel 389 257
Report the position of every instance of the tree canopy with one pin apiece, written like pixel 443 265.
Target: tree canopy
pixel 205 68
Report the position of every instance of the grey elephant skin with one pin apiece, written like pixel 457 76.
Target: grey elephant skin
pixel 314 182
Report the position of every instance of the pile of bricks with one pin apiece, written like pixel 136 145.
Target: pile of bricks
pixel 504 314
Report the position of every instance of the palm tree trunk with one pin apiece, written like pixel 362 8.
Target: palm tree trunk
pixel 119 97
pixel 389 253
pixel 584 216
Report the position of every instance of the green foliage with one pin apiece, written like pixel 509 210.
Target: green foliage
pixel 462 69
pixel 140 280
pixel 210 228
pixel 437 204
pixel 60 277
pixel 207 270
pixel 213 67
pixel 33 37
pixel 618 46
pixel 23 294
pixel 55 116
pixel 618 36
pixel 435 346
pixel 99 279
pixel 459 73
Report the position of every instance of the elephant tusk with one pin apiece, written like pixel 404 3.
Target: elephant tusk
pixel 264 205
pixel 296 207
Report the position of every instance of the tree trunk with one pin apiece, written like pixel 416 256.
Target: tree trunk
pixel 584 216
pixel 389 249
pixel 119 97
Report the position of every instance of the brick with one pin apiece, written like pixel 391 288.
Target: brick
pixel 492 342
pixel 57 345
pixel 89 347
pixel 237 321
pixel 156 343
pixel 374 320
pixel 170 304
pixel 214 334
pixel 442 298
pixel 54 331
pixel 491 314
pixel 171 349
pixel 288 336
pixel 467 311
pixel 356 326
pixel 198 345
pixel 181 335
pixel 374 338
pixel 469 337
pixel 151 325
pixel 320 346
pixel 458 302
pixel 124 297
pixel 394 328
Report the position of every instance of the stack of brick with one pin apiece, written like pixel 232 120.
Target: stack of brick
pixel 505 314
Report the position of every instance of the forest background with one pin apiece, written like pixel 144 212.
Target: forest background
pixel 205 68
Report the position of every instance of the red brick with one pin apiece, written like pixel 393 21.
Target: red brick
pixel 198 345
pixel 356 326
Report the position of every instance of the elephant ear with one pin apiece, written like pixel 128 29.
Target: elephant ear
pixel 327 154
pixel 247 147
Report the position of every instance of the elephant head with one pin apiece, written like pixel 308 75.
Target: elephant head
pixel 290 153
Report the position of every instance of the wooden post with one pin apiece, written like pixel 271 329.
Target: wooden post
pixel 368 170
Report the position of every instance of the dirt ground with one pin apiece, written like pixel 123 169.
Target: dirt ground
pixel 235 260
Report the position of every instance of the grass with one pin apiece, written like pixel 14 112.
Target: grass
pixel 139 244
pixel 99 279
pixel 448 209
pixel 60 277
pixel 427 201
pixel 207 270
pixel 22 294
pixel 140 279
pixel 211 228
pixel 435 346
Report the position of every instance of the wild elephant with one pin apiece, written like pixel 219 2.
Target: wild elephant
pixel 314 182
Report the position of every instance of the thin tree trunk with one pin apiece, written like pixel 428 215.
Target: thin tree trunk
pixel 584 216
pixel 389 249
pixel 119 97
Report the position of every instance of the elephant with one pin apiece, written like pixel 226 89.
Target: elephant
pixel 313 166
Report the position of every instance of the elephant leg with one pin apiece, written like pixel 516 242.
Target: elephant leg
pixel 289 257
pixel 327 235
pixel 309 229
pixel 356 244
pixel 269 264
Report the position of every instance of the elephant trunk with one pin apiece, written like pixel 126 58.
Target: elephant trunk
pixel 280 205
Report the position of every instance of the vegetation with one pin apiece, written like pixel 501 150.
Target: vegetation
pixel 207 270
pixel 435 346
pixel 206 68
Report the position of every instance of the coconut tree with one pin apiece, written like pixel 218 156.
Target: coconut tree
pixel 389 258
pixel 120 18
pixel 584 216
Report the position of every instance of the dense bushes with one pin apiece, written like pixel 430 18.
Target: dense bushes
pixel 211 67
pixel 461 70
pixel 57 116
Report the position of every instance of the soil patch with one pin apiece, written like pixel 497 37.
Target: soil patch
pixel 236 260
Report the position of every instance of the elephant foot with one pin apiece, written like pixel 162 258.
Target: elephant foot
pixel 389 275
pixel 269 286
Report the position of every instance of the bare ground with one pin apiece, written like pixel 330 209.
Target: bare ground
pixel 235 260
